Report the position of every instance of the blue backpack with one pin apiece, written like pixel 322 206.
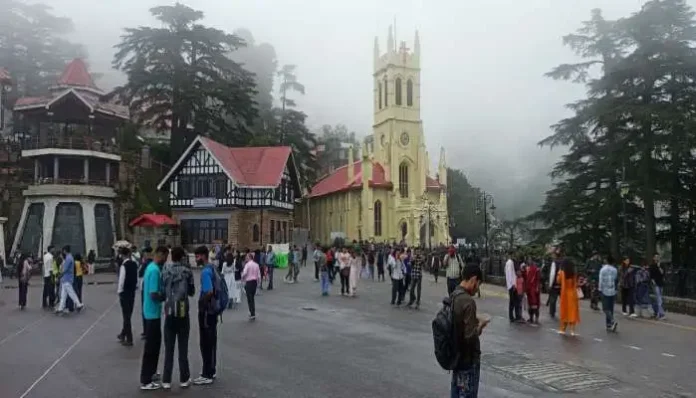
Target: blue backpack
pixel 221 296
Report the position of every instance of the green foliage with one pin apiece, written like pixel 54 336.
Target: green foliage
pixel 629 147
pixel 464 207
pixel 181 79
pixel 33 47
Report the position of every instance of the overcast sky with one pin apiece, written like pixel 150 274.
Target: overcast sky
pixel 483 91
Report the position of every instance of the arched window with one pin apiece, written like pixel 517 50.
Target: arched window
pixel 255 233
pixel 409 92
pixel 397 91
pixel 379 89
pixel 378 218
pixel 403 180
pixel 404 230
pixel 386 92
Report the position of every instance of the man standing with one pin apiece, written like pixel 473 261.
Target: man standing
pixel 514 308
pixel 296 261
pixel 66 282
pixel 49 297
pixel 453 270
pixel 657 275
pixel 207 319
pixel 127 285
pixel 592 270
pixel 177 281
pixel 152 312
pixel 416 278
pixel 467 329
pixel 270 263
pixel 608 278
pixel 554 286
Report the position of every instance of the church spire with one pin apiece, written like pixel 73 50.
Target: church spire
pixel 416 44
pixel 376 51
pixel 442 168
pixel 390 41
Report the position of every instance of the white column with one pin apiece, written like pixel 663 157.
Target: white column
pixel 20 227
pixel 55 168
pixel 108 172
pixel 85 171
pixel 3 220
pixel 36 170
pixel 90 226
pixel 49 219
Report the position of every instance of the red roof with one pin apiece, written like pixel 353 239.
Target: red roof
pixel 5 76
pixel 152 220
pixel 338 180
pixel 251 166
pixel 432 183
pixel 76 75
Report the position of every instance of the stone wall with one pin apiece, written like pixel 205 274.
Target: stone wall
pixel 241 226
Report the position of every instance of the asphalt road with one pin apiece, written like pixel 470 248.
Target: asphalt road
pixel 305 345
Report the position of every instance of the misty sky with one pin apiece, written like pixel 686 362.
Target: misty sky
pixel 483 91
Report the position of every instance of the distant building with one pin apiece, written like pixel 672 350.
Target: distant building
pixel 5 84
pixel 244 197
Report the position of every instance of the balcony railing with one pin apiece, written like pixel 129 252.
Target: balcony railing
pixel 82 143
pixel 74 181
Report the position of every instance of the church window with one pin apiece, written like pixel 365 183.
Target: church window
pixel 386 92
pixel 403 180
pixel 379 89
pixel 404 230
pixel 255 233
pixel 378 218
pixel 409 92
pixel 397 91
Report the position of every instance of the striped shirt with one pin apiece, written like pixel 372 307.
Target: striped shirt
pixel 454 267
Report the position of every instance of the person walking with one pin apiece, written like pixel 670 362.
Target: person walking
pixel 396 269
pixel 177 287
pixel 533 290
pixel 66 282
pixel 514 304
pixel 554 286
pixel 344 271
pixel 127 285
pixel 453 269
pixel 48 299
pixel 251 274
pixel 355 266
pixel 270 266
pixel 608 279
pixel 296 261
pixel 23 276
pixel 416 278
pixel 380 264
pixel 657 276
pixel 207 318
pixel 152 312
pixel 323 273
pixel 628 287
pixel 228 271
pixel 570 308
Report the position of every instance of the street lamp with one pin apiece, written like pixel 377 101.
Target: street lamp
pixel 485 198
pixel 429 206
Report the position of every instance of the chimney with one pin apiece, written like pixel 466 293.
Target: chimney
pixel 145 161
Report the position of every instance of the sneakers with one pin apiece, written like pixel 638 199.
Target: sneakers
pixel 634 315
pixel 201 381
pixel 185 384
pixel 624 313
pixel 251 318
pixel 167 386
pixel 151 386
pixel 614 326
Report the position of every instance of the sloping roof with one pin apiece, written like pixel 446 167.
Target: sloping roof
pixel 431 183
pixel 338 180
pixel 151 220
pixel 76 75
pixel 252 167
pixel 5 76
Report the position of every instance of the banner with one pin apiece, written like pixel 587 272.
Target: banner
pixel 282 252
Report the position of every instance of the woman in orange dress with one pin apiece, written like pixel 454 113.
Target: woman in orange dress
pixel 570 310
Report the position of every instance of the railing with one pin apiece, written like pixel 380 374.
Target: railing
pixel 83 143
pixel 74 181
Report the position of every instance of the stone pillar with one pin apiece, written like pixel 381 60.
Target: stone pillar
pixel 3 220
pixel 56 165
pixel 108 173
pixel 36 170
pixel 85 171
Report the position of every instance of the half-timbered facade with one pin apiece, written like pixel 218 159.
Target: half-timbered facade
pixel 241 196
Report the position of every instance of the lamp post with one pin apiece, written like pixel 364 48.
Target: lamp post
pixel 428 209
pixel 486 199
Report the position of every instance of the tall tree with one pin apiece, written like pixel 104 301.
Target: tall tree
pixel 464 207
pixel 288 82
pixel 181 78
pixel 33 47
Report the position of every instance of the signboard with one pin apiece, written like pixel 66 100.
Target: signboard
pixel 202 203
pixel 281 251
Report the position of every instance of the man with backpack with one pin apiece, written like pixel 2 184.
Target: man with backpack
pixel 177 286
pixel 209 308
pixel 456 331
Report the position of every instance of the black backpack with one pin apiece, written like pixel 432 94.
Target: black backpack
pixel 443 334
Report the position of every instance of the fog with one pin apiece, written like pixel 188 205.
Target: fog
pixel 484 95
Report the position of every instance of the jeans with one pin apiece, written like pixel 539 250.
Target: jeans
pixel 396 295
pixel 207 330
pixel 176 331
pixel 345 285
pixel 324 283
pixel 77 284
pixel 316 270
pixel 465 382
pixel 514 305
pixel 451 285
pixel 553 298
pixel 49 293
pixel 416 285
pixel 608 308
pixel 127 300
pixel 151 351
pixel 657 303
pixel 270 278
pixel 23 288
pixel 380 272
pixel 250 289
pixel 66 289
pixel 628 298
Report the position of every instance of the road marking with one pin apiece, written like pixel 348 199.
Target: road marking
pixel 664 354
pixel 60 358
pixel 557 377
pixel 20 331
pixel 598 340
pixel 633 347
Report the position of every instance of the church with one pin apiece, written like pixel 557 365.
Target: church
pixel 388 195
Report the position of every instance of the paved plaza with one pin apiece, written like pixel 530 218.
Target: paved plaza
pixel 305 345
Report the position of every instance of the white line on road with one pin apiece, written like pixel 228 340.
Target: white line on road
pixel 664 354
pixel 60 358
pixel 20 331
pixel 633 347
pixel 598 340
